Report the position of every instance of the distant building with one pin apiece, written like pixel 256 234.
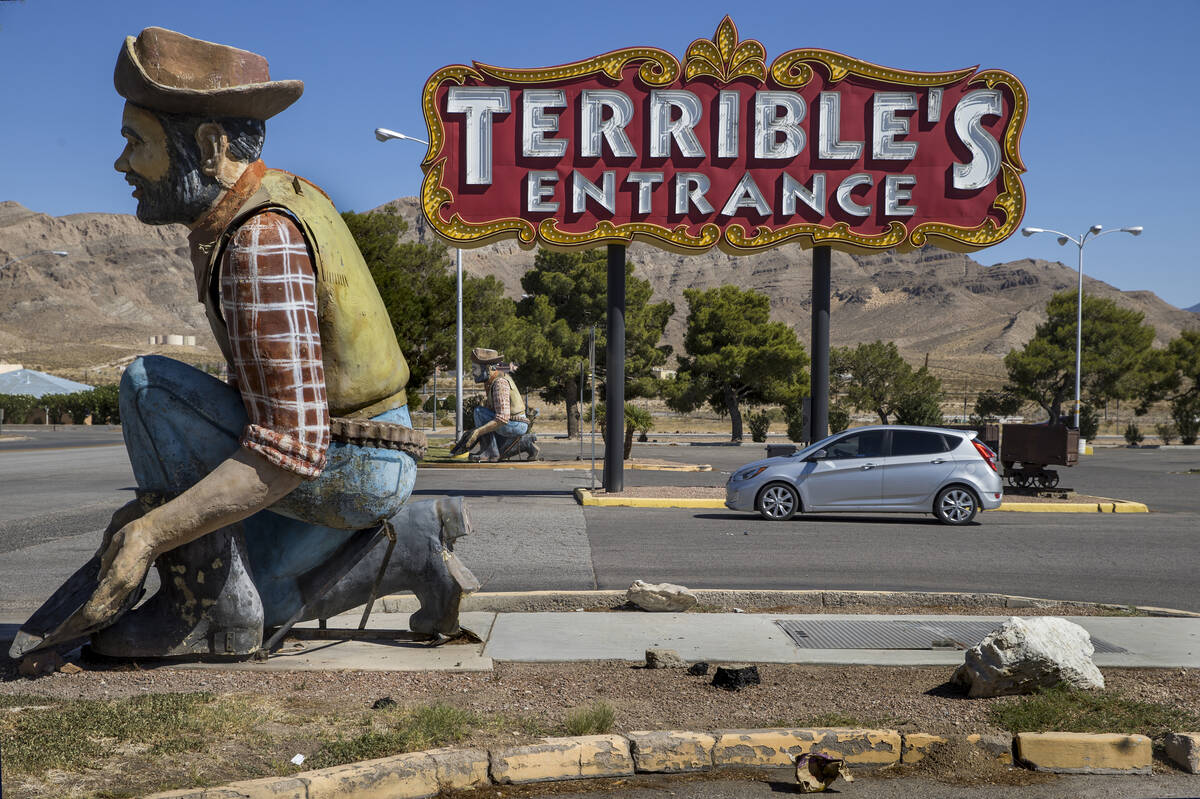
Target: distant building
pixel 173 340
pixel 663 374
pixel 36 384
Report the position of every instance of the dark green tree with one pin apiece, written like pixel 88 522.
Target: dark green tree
pixel 990 406
pixel 1185 403
pixel 736 355
pixel 565 294
pixel 874 377
pixel 418 289
pixel 1117 360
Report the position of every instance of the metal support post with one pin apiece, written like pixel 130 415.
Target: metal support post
pixel 821 289
pixel 458 354
pixel 614 379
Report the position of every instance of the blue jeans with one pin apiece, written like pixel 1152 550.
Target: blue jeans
pixel 488 445
pixel 180 423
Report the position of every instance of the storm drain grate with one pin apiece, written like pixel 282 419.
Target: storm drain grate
pixel 895 634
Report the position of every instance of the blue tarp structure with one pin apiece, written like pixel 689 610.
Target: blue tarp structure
pixel 37 384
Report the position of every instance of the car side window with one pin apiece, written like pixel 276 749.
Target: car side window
pixel 868 444
pixel 917 442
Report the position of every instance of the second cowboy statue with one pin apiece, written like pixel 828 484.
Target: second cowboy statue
pixel 501 425
pixel 250 492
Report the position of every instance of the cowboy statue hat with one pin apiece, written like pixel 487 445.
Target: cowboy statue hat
pixel 486 357
pixel 167 71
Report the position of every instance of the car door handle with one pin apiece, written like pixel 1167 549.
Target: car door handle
pixel 866 466
pixel 938 460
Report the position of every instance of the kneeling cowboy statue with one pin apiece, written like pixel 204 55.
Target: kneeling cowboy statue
pixel 270 499
pixel 501 426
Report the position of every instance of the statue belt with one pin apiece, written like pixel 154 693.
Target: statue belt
pixel 381 435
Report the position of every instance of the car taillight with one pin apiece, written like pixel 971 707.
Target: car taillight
pixel 986 454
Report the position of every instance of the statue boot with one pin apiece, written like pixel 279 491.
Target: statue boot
pixel 206 604
pixel 423 562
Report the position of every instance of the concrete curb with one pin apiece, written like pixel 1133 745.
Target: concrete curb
pixel 818 600
pixel 585 497
pixel 566 465
pixel 1084 753
pixel 421 775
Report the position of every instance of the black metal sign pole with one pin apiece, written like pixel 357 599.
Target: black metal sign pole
pixel 820 341
pixel 614 375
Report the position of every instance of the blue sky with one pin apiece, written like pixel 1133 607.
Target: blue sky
pixel 1114 107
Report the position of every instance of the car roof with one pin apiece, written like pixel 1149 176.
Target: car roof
pixel 906 427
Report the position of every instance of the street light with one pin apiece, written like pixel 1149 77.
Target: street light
pixel 1095 231
pixel 383 134
pixel 59 253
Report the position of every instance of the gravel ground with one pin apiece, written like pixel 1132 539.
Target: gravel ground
pixel 299 710
pixel 905 698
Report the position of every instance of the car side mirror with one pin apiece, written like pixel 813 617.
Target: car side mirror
pixel 819 455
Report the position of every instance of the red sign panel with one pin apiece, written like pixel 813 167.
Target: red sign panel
pixel 724 150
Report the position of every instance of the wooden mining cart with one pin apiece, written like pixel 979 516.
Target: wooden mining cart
pixel 1027 449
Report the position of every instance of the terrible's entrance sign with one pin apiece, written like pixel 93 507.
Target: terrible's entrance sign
pixel 815 148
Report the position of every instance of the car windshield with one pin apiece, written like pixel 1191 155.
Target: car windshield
pixel 822 444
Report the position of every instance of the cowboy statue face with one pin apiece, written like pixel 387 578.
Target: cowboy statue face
pixel 179 164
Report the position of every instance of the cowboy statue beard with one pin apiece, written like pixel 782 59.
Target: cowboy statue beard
pixel 183 194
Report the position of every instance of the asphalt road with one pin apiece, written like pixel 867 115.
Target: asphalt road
pixel 57 489
pixel 866 786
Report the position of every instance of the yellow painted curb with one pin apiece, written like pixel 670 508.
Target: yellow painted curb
pixel 563 759
pixel 671 751
pixel 1085 753
pixel 585 497
pixel 566 465
pixel 918 744
pixel 758 748
pixel 1107 506
pixel 422 775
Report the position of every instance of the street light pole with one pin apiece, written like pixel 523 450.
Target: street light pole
pixel 1095 231
pixel 59 253
pixel 383 134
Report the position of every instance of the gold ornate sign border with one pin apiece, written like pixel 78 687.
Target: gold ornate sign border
pixel 725 58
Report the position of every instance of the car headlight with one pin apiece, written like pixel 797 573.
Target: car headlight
pixel 746 474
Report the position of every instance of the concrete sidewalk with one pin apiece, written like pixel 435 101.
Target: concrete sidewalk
pixel 559 637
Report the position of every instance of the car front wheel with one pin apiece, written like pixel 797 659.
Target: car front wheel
pixel 955 505
pixel 778 502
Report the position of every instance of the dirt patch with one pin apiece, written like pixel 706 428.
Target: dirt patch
pixel 300 712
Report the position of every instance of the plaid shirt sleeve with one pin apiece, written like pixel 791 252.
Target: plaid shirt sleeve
pixel 268 298
pixel 500 399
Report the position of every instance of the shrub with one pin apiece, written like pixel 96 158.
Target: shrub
pixel 1133 436
pixel 1185 411
pixel 1089 422
pixel 839 418
pixel 595 719
pixel 17 407
pixel 760 423
pixel 1165 431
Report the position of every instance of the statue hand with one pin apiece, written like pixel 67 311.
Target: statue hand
pixel 123 515
pixel 123 565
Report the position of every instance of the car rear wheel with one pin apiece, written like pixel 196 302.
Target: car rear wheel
pixel 778 502
pixel 955 505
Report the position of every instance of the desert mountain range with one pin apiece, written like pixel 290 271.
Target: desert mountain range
pixel 125 281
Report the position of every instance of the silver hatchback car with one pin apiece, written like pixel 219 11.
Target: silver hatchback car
pixel 880 469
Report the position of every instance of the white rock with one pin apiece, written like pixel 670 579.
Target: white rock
pixel 661 597
pixel 1025 654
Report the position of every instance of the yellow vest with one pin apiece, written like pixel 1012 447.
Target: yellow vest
pixel 365 371
pixel 516 405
